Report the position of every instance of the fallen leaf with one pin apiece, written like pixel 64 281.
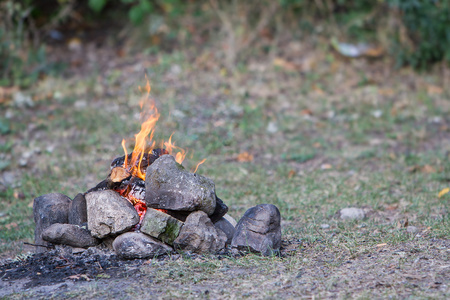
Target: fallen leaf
pixel 306 112
pixel 318 90
pixel 284 64
pixel 326 166
pixel 386 92
pixel 443 192
pixel 434 90
pixel 374 51
pixel 291 173
pixel 244 157
pixel 11 225
pixel 392 207
pixel 428 169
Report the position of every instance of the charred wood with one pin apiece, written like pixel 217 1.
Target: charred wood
pixel 147 159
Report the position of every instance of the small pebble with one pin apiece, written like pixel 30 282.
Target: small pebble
pixel 412 229
pixel 352 213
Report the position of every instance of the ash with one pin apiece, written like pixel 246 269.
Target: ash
pixel 60 264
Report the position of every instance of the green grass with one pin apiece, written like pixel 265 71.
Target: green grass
pixel 355 147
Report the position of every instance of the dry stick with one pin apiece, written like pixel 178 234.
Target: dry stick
pixel 36 245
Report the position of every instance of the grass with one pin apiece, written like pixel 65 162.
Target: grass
pixel 349 145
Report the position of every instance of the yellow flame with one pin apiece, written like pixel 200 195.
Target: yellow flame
pixel 145 137
pixel 170 147
pixel 198 165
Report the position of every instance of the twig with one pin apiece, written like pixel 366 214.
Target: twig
pixel 36 245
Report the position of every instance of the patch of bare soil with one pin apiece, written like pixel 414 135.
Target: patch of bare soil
pixel 412 268
pixel 59 266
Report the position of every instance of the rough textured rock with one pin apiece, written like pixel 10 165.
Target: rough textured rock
pixel 47 210
pixel 69 234
pixel 109 213
pixel 169 186
pixel 352 213
pixel 259 230
pixel 199 235
pixel 161 226
pixel 231 220
pixel 132 245
pixel 78 210
pixel 229 230
pixel 220 211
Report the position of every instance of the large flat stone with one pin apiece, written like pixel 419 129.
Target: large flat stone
pixel 69 234
pixel 199 235
pixel 161 226
pixel 132 245
pixel 47 210
pixel 259 230
pixel 109 213
pixel 169 186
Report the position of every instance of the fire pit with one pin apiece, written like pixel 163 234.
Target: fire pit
pixel 148 205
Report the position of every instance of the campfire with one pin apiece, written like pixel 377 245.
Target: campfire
pixel 149 204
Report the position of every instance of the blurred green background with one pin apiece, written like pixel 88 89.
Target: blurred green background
pixel 411 32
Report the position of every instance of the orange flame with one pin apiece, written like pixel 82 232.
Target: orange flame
pixel 170 147
pixel 198 165
pixel 144 139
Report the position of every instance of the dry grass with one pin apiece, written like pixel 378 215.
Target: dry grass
pixel 344 133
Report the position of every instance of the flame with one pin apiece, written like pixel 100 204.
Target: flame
pixel 198 165
pixel 144 139
pixel 170 147
pixel 143 147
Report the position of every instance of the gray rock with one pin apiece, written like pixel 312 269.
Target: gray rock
pixel 78 210
pixel 108 213
pixel 169 186
pixel 47 210
pixel 132 245
pixel 352 213
pixel 161 226
pixel 230 219
pixel 199 235
pixel 412 229
pixel 229 230
pixel 220 210
pixel 69 234
pixel 259 230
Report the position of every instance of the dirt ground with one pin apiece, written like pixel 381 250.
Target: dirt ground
pixel 310 137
